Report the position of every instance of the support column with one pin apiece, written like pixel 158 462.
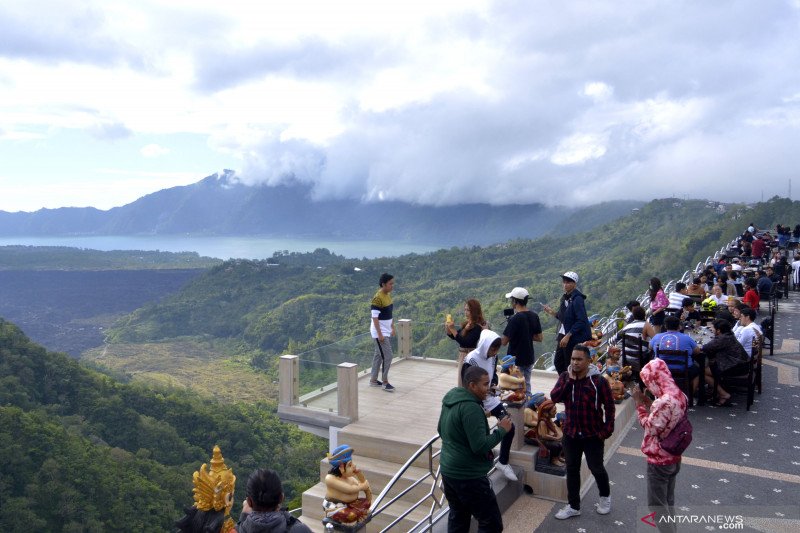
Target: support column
pixel 403 328
pixel 289 380
pixel 347 381
pixel 518 417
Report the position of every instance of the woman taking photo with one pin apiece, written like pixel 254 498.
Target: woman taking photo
pixel 469 333
pixel 658 303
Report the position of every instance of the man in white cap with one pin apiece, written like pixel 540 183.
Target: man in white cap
pixel 522 329
pixel 574 328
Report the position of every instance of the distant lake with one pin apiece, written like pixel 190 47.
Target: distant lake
pixel 228 247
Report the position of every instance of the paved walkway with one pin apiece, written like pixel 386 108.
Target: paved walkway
pixel 739 463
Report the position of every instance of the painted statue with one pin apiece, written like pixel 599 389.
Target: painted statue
pixel 511 381
pixel 550 435
pixel 213 499
pixel 613 365
pixel 343 486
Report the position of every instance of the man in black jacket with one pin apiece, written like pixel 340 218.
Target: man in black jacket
pixel 589 410
pixel 574 327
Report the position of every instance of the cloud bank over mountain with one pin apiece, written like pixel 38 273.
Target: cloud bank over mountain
pixel 434 103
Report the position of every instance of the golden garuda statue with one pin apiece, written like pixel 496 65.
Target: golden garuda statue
pixel 213 498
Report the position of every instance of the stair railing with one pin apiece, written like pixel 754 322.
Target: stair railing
pixel 378 506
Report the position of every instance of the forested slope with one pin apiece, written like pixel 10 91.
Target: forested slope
pixel 296 306
pixel 82 452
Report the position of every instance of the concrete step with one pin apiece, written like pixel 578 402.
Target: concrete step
pixel 369 445
pixel 313 524
pixel 312 511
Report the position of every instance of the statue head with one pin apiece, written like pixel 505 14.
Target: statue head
pixel 213 498
pixel 341 461
pixel 547 409
pixel 508 364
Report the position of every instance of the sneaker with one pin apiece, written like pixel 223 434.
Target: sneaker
pixel 604 505
pixel 376 384
pixel 388 387
pixel 567 512
pixel 507 471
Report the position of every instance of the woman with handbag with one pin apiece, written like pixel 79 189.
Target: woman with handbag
pixel 659 418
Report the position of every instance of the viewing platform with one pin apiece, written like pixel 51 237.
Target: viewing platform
pixel 743 463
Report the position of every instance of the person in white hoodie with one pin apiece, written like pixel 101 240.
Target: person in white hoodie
pixel 485 357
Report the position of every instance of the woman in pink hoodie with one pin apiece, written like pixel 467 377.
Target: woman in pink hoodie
pixel 658 418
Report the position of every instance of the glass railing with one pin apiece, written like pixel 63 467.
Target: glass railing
pixel 318 367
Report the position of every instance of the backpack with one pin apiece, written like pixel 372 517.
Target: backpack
pixel 679 438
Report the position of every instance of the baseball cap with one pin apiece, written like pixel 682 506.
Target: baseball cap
pixel 517 292
pixel 571 276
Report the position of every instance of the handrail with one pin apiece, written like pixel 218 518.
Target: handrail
pixel 606 324
pixel 376 509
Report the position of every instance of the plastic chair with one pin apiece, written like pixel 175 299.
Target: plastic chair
pixel 678 361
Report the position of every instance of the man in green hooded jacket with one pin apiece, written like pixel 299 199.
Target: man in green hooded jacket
pixel 467 456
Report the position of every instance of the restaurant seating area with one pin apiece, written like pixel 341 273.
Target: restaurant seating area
pixel 732 270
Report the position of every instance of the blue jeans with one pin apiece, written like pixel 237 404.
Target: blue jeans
pixel 471 497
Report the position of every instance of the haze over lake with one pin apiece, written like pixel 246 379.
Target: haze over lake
pixel 227 247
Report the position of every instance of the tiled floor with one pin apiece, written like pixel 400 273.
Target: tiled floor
pixel 740 462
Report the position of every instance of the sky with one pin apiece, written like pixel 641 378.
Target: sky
pixel 436 102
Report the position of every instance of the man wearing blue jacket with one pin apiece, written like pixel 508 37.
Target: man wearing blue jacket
pixel 574 328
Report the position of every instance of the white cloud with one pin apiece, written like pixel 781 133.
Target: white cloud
pixel 433 102
pixel 154 150
pixel 598 90
pixel 579 148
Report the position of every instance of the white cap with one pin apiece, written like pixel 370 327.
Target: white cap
pixel 517 292
pixel 571 275
pixel 751 229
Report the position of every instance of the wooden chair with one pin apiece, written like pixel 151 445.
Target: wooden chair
pixel 768 329
pixel 749 382
pixel 634 345
pixel 679 359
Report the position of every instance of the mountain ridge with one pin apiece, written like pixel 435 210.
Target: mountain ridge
pixel 220 205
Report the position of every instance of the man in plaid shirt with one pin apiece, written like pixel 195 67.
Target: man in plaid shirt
pixel 586 396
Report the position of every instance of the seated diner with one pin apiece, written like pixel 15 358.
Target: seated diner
pixel 726 357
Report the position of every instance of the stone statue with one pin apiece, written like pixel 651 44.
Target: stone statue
pixel 618 391
pixel 531 408
pixel 613 365
pixel 213 499
pixel 550 435
pixel 343 486
pixel 511 381
pixel 532 418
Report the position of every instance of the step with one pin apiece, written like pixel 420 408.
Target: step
pixel 379 473
pixel 397 450
pixel 312 511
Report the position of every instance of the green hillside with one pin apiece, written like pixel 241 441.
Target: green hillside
pixel 19 257
pixel 82 452
pixel 297 306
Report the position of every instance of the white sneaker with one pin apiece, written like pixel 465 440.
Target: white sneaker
pixel 604 505
pixel 507 471
pixel 567 512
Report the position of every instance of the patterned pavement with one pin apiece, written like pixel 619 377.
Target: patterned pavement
pixel 740 463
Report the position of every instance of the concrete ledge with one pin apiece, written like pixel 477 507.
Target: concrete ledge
pixel 304 416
